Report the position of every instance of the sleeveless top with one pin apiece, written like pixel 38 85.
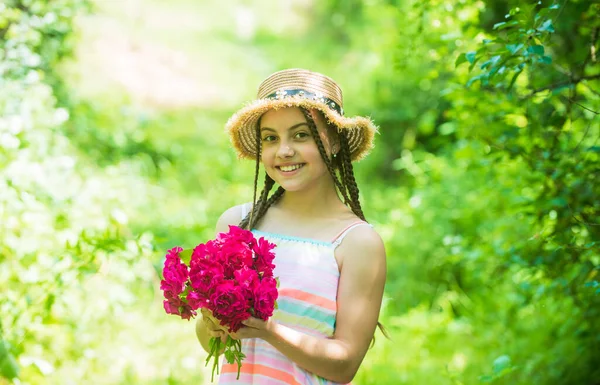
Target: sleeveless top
pixel 308 274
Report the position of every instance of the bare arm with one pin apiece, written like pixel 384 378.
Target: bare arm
pixel 360 292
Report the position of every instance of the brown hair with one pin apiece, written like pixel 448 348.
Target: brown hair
pixel 340 165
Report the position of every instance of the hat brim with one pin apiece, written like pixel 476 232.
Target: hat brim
pixel 241 127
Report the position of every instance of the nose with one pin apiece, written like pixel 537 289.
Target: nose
pixel 285 150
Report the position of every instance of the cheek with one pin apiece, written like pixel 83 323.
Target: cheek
pixel 313 155
pixel 266 154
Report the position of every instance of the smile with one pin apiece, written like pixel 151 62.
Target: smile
pixel 290 168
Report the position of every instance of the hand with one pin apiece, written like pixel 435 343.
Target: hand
pixel 254 328
pixel 213 325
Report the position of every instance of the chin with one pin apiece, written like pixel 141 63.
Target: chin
pixel 291 186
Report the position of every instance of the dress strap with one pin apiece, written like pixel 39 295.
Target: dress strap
pixel 340 237
pixel 245 209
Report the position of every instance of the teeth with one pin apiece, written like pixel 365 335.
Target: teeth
pixel 290 168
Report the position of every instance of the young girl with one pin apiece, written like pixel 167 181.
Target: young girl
pixel 330 262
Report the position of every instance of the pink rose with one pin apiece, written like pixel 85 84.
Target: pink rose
pixel 205 275
pixel 170 290
pixel 229 304
pixel 235 321
pixel 187 312
pixel 209 250
pixel 178 307
pixel 236 235
pixel 234 257
pixel 196 300
pixel 265 295
pixel 247 279
pixel 172 305
pixel 264 257
pixel 175 273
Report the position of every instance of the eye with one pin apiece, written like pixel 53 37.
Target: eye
pixel 301 135
pixel 269 138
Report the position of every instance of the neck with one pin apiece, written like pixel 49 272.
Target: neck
pixel 316 201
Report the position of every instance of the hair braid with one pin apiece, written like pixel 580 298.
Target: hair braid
pixel 348 176
pixel 313 129
pixel 347 171
pixel 258 150
pixel 274 198
pixel 253 216
pixel 249 221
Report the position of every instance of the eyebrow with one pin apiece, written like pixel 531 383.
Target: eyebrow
pixel 291 128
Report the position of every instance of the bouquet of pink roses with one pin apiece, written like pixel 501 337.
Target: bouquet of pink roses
pixel 232 276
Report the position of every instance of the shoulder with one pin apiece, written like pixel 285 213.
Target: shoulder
pixel 363 247
pixel 232 216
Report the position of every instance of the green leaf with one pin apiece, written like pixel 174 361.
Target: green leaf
pixel 545 59
pixel 49 302
pixel 558 202
pixel 547 26
pixel 8 365
pixel 482 78
pixel 471 56
pixel 514 48
pixel 554 6
pixel 491 61
pixel 504 25
pixel 542 13
pixel 514 78
pixel 501 363
pixel 536 49
pixel 460 59
pixel 186 256
pixel 229 356
pixel 447 128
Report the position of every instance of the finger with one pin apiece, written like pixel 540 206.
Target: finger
pixel 210 323
pixel 217 334
pixel 224 338
pixel 253 323
pixel 245 332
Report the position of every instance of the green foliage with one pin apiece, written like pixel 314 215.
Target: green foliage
pixel 482 185
pixel 497 216
pixel 62 219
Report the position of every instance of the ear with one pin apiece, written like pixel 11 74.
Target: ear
pixel 335 148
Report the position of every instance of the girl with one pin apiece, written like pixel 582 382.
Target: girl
pixel 330 262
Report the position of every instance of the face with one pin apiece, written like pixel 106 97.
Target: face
pixel 289 152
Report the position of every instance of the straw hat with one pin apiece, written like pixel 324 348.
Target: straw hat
pixel 299 88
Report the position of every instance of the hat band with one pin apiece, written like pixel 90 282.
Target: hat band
pixel 304 94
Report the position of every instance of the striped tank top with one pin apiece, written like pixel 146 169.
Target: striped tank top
pixel 308 275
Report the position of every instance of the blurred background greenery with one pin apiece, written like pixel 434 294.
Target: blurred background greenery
pixel 483 183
